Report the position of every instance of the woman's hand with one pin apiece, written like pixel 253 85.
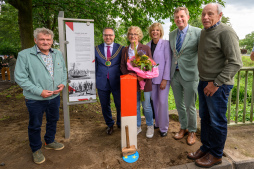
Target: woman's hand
pixel 163 84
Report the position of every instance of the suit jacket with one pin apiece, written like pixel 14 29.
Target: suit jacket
pixel 187 57
pixel 102 70
pixel 125 56
pixel 162 56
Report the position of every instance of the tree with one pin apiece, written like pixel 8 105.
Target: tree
pixel 25 21
pixel 225 20
pixel 9 34
pixel 118 13
pixel 247 42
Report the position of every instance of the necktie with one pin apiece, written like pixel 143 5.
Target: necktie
pixel 108 53
pixel 108 57
pixel 179 41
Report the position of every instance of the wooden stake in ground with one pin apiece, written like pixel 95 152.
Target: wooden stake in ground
pixel 129 150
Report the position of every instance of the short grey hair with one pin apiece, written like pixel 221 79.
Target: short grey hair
pixel 219 7
pixel 108 28
pixel 44 31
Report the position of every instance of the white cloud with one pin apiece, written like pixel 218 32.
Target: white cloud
pixel 241 16
pixel 240 13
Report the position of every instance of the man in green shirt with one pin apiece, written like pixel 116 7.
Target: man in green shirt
pixel 219 60
pixel 40 71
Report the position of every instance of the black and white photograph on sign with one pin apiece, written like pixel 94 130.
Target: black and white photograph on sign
pixel 80 71
pixel 82 89
pixel 80 61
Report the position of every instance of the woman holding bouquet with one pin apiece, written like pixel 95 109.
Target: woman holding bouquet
pixel 161 53
pixel 135 35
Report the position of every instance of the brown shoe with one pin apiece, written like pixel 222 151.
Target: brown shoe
pixel 191 138
pixel 196 155
pixel 109 130
pixel 208 161
pixel 180 134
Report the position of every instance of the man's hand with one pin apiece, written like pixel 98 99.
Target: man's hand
pixel 46 93
pixel 163 84
pixel 60 88
pixel 210 89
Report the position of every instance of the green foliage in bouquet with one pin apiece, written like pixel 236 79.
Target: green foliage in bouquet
pixel 141 60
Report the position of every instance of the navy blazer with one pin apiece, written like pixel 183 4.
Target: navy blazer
pixel 102 70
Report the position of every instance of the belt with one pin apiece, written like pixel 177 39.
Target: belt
pixel 177 69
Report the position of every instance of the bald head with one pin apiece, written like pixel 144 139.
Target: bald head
pixel 211 14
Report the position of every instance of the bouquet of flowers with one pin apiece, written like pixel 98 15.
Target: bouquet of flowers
pixel 144 66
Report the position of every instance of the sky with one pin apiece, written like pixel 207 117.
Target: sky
pixel 240 13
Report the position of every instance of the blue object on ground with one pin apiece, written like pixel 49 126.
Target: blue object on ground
pixel 131 158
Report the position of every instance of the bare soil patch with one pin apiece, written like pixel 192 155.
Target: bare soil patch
pixel 89 146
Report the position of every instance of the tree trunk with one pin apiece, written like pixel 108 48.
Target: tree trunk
pixel 25 20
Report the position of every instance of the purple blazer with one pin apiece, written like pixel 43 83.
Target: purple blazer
pixel 162 56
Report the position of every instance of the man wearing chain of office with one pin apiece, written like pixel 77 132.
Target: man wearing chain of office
pixel 107 66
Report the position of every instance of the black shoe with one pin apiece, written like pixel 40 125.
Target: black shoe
pixel 118 126
pixel 164 134
pixel 155 127
pixel 109 130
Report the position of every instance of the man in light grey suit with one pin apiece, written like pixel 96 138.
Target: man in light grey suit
pixel 184 73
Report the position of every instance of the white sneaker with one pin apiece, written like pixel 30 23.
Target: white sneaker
pixel 149 131
pixel 139 130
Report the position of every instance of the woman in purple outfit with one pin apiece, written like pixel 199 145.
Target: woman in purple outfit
pixel 161 53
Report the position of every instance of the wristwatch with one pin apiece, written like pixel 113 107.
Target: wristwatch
pixel 216 84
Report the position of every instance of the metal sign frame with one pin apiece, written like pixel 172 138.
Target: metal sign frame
pixel 63 42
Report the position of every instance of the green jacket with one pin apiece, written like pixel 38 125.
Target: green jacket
pixel 33 77
pixel 187 57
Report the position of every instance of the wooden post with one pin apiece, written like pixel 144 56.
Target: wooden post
pixel 129 109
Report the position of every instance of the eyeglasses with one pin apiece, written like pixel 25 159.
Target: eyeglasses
pixel 110 35
pixel 131 34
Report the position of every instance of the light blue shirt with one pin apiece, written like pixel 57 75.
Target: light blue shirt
pixel 253 49
pixel 131 52
pixel 106 48
pixel 183 34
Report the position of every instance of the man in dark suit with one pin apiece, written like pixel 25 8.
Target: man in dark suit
pixel 107 62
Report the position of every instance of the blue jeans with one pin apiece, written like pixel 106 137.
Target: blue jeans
pixel 36 109
pixel 147 109
pixel 212 111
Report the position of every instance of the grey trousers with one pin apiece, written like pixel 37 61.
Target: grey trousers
pixel 185 93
